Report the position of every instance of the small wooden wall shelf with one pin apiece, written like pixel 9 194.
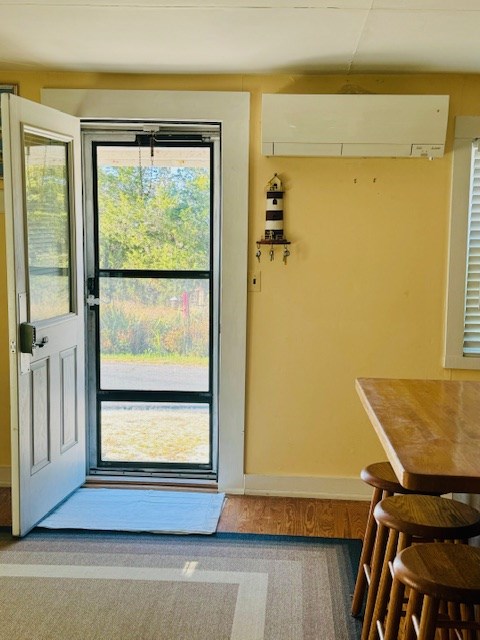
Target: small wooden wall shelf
pixel 273 243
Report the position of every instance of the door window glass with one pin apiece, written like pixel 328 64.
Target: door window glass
pixel 151 432
pixel 154 334
pixel 153 207
pixel 48 226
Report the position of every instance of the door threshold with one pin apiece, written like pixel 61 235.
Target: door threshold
pixel 173 484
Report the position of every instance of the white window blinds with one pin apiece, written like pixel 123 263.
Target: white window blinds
pixel 471 334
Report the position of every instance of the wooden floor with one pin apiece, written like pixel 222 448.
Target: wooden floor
pixel 272 515
pixel 5 508
pixel 294 516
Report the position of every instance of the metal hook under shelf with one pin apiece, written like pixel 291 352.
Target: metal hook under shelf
pixel 273 243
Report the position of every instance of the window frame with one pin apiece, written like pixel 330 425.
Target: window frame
pixel 467 129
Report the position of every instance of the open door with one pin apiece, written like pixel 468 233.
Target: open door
pixel 42 182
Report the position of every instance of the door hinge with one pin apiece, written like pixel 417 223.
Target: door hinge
pixel 13 346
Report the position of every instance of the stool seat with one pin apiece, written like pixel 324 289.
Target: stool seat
pixel 428 517
pixel 444 571
pixel 444 581
pixel 382 476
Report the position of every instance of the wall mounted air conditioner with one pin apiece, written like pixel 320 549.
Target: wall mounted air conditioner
pixel 345 125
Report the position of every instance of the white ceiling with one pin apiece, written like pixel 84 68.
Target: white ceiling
pixel 241 36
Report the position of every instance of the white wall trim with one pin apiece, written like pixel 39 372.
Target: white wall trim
pixel 333 488
pixel 328 488
pixel 232 110
pixel 5 476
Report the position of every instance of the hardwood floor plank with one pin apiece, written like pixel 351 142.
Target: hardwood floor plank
pixel 5 507
pixel 295 516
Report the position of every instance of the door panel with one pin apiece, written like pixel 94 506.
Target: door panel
pixel 45 288
pixel 69 422
pixel 40 425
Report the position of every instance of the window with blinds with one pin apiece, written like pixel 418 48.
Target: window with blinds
pixel 462 320
pixel 471 333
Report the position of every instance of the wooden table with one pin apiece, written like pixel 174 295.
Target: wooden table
pixel 430 430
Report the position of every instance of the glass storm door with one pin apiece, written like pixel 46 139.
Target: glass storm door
pixel 152 305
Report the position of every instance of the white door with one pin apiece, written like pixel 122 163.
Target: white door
pixel 42 182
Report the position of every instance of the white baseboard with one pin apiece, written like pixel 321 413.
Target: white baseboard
pixel 333 488
pixel 5 476
pixel 308 487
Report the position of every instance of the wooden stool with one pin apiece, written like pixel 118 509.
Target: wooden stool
pixel 380 476
pixel 401 520
pixel 436 573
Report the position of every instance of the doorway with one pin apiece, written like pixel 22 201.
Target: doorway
pixel 45 421
pixel 152 260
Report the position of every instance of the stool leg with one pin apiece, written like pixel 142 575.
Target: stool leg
pixel 367 550
pixel 383 591
pixel 377 562
pixel 454 613
pixel 394 614
pixel 414 608
pixel 428 620
pixel 468 614
pixel 444 632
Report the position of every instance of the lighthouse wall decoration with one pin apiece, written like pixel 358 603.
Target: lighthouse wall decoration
pixel 274 214
pixel 274 220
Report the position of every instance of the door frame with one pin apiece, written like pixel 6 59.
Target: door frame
pixel 232 110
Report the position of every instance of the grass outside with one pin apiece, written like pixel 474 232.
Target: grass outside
pixel 147 435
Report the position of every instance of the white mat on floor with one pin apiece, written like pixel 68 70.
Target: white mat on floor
pixel 149 510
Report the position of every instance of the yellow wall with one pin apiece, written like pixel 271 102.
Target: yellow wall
pixel 364 290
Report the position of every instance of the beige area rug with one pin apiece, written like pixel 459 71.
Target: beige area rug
pixel 107 586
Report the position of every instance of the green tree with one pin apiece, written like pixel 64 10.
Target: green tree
pixel 154 218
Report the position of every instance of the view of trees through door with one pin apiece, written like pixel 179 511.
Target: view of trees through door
pixel 151 304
